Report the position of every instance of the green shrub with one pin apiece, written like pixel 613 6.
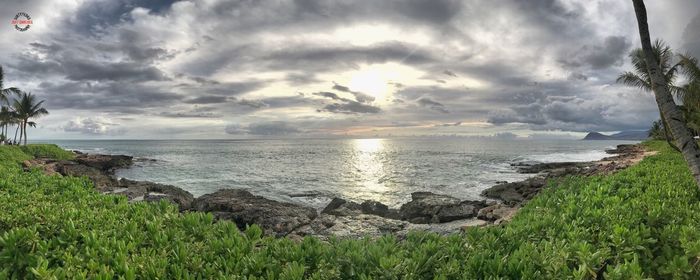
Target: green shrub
pixel 47 151
pixel 640 223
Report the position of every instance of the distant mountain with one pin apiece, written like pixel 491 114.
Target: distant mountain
pixel 623 135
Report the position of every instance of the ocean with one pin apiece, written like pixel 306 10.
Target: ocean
pixel 312 172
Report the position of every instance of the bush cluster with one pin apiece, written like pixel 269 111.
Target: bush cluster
pixel 640 223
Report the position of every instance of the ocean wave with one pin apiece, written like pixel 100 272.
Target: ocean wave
pixel 591 155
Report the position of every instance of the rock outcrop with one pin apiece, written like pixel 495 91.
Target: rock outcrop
pixel 243 208
pixel 342 207
pixel 105 163
pixel 149 191
pixel 427 207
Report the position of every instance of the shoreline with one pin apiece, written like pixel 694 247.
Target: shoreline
pixel 341 218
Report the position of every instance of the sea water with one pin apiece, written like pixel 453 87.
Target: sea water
pixel 313 171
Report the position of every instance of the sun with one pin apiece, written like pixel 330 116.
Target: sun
pixel 371 82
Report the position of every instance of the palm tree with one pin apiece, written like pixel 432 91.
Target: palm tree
pixel 664 99
pixel 26 108
pixel 6 118
pixel 5 93
pixel 641 79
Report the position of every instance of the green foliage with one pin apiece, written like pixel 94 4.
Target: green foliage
pixel 643 222
pixel 47 151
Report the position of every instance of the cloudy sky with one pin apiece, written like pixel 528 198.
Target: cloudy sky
pixel 301 68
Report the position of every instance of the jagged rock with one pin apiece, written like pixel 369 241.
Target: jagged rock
pixel 463 210
pixel 560 167
pixel 154 192
pixel 342 207
pixel 242 207
pixel 105 163
pixel 497 212
pixel 427 207
pixel 380 209
pixel 516 192
pixel 361 225
pixel 102 181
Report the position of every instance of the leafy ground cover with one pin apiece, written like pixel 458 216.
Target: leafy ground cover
pixel 640 223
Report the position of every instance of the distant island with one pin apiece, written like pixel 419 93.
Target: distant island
pixel 623 135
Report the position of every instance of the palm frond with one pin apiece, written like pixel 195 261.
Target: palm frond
pixel 632 79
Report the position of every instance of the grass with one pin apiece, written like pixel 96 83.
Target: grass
pixel 640 223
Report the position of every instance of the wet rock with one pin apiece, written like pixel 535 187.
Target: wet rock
pixel 154 192
pixel 497 212
pixel 516 193
pixel 626 149
pixel 552 166
pixel 380 209
pixel 242 207
pixel 427 207
pixel 105 163
pixel 342 207
pixel 463 210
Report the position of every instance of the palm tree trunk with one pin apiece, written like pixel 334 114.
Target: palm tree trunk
pixel 25 132
pixel 676 123
pixel 669 139
pixel 16 129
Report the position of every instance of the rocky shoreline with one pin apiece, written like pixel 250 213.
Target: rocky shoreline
pixel 341 218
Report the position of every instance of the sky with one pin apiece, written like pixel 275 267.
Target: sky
pixel 130 69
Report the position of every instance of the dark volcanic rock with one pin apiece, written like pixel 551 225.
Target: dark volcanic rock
pixel 550 166
pixel 105 163
pixel 244 208
pixel 427 207
pixel 342 207
pixel 380 209
pixel 497 212
pixel 516 192
pixel 463 210
pixel 102 181
pixel 153 192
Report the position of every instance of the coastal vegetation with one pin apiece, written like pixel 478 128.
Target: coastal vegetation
pixel 638 223
pixel 17 108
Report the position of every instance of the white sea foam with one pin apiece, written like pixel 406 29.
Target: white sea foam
pixel 591 155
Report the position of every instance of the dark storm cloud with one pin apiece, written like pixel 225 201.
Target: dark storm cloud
pixel 329 57
pixel 112 96
pixel 78 70
pixel 611 52
pixel 94 17
pixel 535 62
pixel 433 105
pixel 691 36
pixel 359 96
pixel 208 99
pixel 195 115
pixel 351 107
pixel 330 95
pixel 257 104
pixel 449 73
pixel 578 114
